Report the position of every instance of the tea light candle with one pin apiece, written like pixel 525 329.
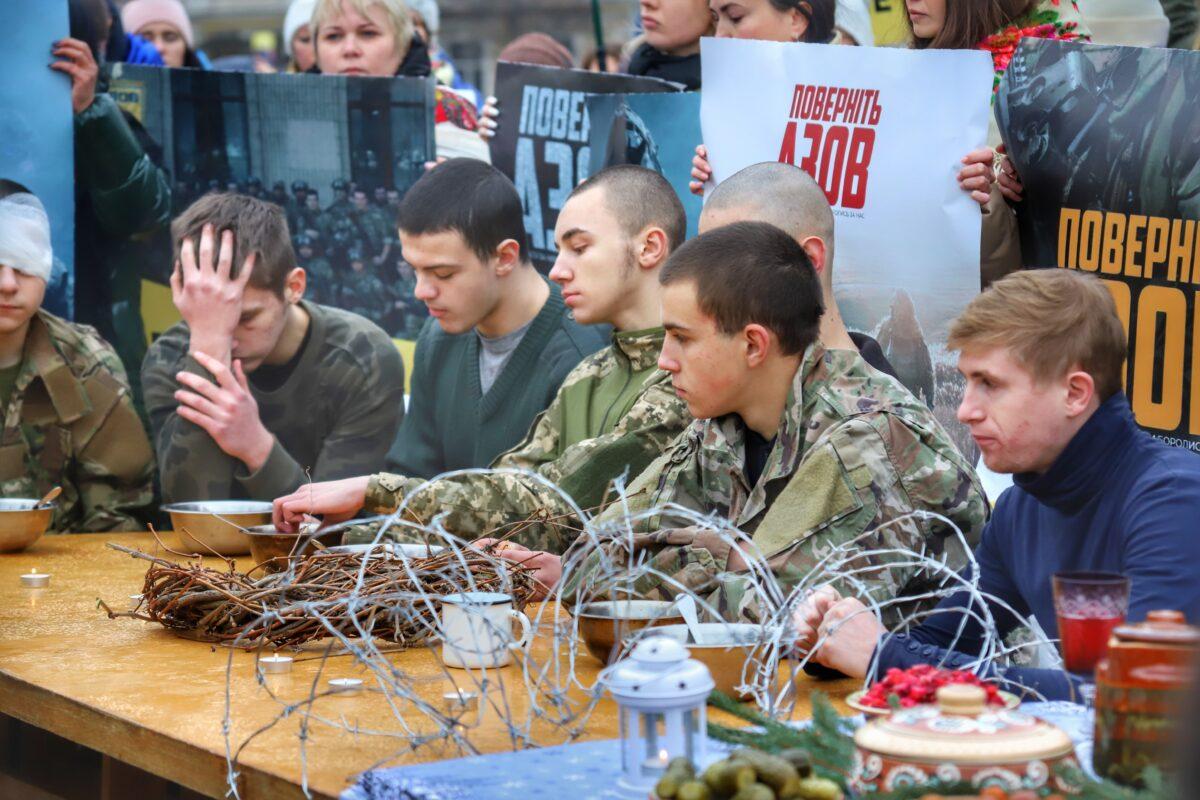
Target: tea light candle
pixel 458 702
pixel 345 685
pixel 657 763
pixel 35 579
pixel 276 664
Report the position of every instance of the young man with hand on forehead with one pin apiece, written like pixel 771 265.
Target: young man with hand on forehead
pixel 804 449
pixel 614 412
pixel 258 390
pixel 1043 353
pixel 66 414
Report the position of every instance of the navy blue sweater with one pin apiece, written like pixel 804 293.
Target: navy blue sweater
pixel 1116 500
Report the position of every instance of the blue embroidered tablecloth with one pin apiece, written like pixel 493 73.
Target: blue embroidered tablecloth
pixel 588 770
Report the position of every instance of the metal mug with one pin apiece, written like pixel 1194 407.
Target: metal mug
pixel 477 629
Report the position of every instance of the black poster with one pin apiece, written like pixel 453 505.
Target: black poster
pixel 542 140
pixel 1107 142
pixel 335 153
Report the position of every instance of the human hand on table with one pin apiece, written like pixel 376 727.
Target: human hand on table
pixel 226 410
pixel 547 567
pixel 807 616
pixel 333 501
pixel 851 633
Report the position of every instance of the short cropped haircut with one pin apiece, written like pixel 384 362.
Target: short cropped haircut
pixel 639 198
pixel 469 197
pixel 395 11
pixel 258 227
pixel 752 273
pixel 1053 321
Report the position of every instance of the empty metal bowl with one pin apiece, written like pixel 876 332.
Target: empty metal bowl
pixel 22 523
pixel 271 548
pixel 213 526
pixel 724 648
pixel 604 626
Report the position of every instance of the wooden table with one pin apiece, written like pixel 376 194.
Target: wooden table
pixel 143 696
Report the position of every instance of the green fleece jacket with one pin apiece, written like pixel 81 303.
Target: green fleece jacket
pixel 451 424
pixel 615 413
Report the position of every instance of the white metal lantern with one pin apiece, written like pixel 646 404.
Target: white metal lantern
pixel 660 695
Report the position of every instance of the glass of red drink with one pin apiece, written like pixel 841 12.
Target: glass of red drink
pixel 1088 606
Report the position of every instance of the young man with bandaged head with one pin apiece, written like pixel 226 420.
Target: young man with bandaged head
pixel 65 405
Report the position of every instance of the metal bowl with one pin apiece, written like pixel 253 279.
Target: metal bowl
pixel 724 648
pixel 212 526
pixel 271 549
pixel 605 625
pixel 22 523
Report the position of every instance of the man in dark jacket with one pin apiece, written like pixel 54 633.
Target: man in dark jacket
pixel 1043 352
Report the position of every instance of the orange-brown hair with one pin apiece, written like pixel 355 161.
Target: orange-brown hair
pixel 1052 321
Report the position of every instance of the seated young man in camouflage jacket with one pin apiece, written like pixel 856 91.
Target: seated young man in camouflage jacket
pixel 803 449
pixel 613 414
pixel 66 410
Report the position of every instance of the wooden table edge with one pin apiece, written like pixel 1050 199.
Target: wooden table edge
pixel 149 750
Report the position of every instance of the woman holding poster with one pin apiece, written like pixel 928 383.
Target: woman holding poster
pixel 775 20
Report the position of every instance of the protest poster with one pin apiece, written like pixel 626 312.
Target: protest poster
pixel 37 140
pixel 1107 143
pixel 656 131
pixel 336 153
pixel 883 132
pixel 542 140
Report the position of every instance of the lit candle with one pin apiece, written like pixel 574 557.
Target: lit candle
pixel 276 664
pixel 657 763
pixel 35 579
pixel 345 685
pixel 456 703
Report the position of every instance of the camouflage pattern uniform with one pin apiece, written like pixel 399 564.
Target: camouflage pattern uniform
pixel 614 414
pixel 70 422
pixel 364 294
pixel 322 282
pixel 854 450
pixel 334 417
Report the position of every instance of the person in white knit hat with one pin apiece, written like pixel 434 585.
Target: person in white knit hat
pixel 297 36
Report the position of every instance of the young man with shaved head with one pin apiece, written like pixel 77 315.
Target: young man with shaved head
pixel 805 449
pixel 788 198
pixel 613 415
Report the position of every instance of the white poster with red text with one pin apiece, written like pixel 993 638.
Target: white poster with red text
pixel 883 131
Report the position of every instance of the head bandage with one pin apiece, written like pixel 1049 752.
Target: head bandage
pixel 25 236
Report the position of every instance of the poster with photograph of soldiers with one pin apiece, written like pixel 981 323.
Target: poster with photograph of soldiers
pixel 542 140
pixel 883 132
pixel 37 132
pixel 656 131
pixel 335 153
pixel 1107 143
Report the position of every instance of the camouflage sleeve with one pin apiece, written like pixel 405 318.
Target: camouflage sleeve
pixel 191 465
pixel 855 490
pixel 487 504
pixel 372 407
pixel 114 473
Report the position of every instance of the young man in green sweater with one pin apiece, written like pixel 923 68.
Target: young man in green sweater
pixel 615 412
pixel 500 341
pixel 257 390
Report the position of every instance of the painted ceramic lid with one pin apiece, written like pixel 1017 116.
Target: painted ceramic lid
pixel 961 730
pixel 1160 627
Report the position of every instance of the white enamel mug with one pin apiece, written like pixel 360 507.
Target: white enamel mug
pixel 477 629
